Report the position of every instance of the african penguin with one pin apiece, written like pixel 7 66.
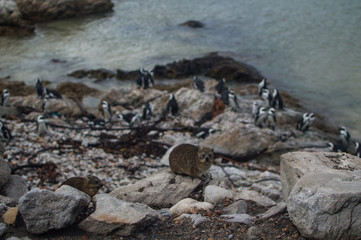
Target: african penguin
pixel 203 132
pixel 198 83
pixel 172 106
pixel 255 108
pixel 107 111
pixel 39 88
pixel 262 85
pixel 344 136
pixel 221 86
pixel 260 117
pixel 271 119
pixel 266 96
pixel 357 149
pixel 5 133
pixel 52 93
pixel 41 126
pixel 147 110
pixel 131 118
pixel 145 78
pixel 5 98
pixel 96 122
pixel 305 122
pixel 225 96
pixel 336 147
pixel 276 99
pixel 233 101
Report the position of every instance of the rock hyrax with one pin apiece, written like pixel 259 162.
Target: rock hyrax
pixel 90 185
pixel 191 160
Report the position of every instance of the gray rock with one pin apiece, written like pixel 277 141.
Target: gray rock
pixel 239 218
pixel 40 10
pixel 3 229
pixel 43 210
pixel 10 202
pixel 3 208
pixel 16 187
pixel 118 217
pixel 327 205
pixel 160 190
pixel 254 233
pixel 273 211
pixel 195 218
pixel 190 205
pixel 215 194
pixel 5 172
pixel 267 190
pixel 251 195
pixel 295 165
pixel 237 207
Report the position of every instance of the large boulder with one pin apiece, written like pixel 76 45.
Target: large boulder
pixel 15 188
pixel 160 190
pixel 323 193
pixel 118 217
pixel 43 210
pixel 11 21
pixel 40 10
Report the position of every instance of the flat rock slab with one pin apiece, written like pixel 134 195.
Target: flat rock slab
pixel 118 217
pixel 160 190
pixel 254 196
pixel 295 165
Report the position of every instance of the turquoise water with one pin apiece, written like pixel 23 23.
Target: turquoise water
pixel 310 48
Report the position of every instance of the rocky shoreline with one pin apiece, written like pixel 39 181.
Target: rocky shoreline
pixel 141 197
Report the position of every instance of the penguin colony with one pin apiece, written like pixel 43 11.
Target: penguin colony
pixel 264 111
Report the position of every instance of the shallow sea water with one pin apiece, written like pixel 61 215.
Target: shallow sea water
pixel 309 48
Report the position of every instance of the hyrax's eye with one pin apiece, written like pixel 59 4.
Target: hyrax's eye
pixel 203 155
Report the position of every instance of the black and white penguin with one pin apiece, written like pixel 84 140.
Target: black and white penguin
pixel 41 126
pixel 255 108
pixel 198 83
pixel 306 121
pixel 144 78
pixel 344 136
pixel 172 106
pixel 225 96
pixel 132 119
pixel 147 110
pixel 262 85
pixel 52 93
pixel 336 146
pixel 233 101
pixel 5 132
pixel 203 132
pixel 107 111
pixel 357 149
pixel 271 119
pixel 221 86
pixel 5 96
pixel 266 96
pixel 39 88
pixel 261 116
pixel 276 99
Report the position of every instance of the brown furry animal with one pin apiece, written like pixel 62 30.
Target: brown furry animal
pixel 90 185
pixel 191 160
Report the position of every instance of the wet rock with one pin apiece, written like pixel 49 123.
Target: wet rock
pixel 43 210
pixel 237 207
pixel 239 218
pixel 11 215
pixel 189 205
pixel 3 229
pixel 38 10
pixel 76 91
pixel 295 165
pixel 251 195
pixel 11 21
pixel 212 65
pixel 327 205
pixel 273 211
pixel 99 74
pixel 118 217
pixel 215 194
pixel 15 188
pixel 5 172
pixel 160 190
pixel 193 24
